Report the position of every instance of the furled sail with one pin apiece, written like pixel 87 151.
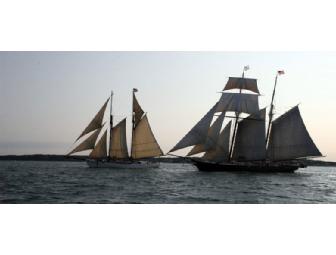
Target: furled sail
pixel 290 139
pixel 242 83
pixel 97 121
pixel 198 134
pixel 250 139
pixel 100 150
pixel 87 144
pixel 137 111
pixel 237 102
pixel 118 143
pixel 144 144
pixel 221 151
pixel 211 139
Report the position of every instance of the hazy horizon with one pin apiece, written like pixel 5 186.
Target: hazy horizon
pixel 47 98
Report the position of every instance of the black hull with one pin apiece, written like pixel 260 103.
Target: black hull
pixel 247 167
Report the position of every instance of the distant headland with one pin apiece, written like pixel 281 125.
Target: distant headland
pixel 51 157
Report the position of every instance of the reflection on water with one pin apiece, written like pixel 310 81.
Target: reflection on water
pixel 68 182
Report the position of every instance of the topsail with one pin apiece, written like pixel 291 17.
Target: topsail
pixel 237 102
pixel 242 83
pixel 137 110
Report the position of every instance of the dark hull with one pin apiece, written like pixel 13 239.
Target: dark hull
pixel 247 167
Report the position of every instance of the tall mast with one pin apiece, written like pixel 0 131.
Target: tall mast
pixel 271 114
pixel 236 121
pixel 133 121
pixel 111 125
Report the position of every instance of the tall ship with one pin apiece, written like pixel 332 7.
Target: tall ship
pixel 111 150
pixel 244 143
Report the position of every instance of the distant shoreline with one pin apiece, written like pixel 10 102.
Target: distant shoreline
pixel 46 157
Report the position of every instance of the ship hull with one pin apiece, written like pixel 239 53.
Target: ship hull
pixel 247 167
pixel 122 164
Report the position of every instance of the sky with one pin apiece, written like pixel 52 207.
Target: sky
pixel 48 98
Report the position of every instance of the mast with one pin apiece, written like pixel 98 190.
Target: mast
pixel 236 121
pixel 111 125
pixel 133 121
pixel 272 107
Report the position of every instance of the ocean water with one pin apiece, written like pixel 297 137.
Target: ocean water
pixel 74 182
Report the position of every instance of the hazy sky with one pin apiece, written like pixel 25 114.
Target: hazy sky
pixel 47 98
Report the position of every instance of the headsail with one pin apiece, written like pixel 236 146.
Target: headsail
pixel 221 151
pixel 87 144
pixel 242 83
pixel 250 138
pixel 290 139
pixel 237 102
pixel 96 122
pixel 144 144
pixel 198 134
pixel 100 150
pixel 211 139
pixel 118 148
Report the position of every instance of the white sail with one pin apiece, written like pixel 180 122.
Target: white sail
pixel 118 148
pixel 290 139
pixel 144 144
pixel 237 102
pixel 87 144
pixel 97 121
pixel 242 83
pixel 137 111
pixel 211 139
pixel 198 134
pixel 100 150
pixel 221 151
pixel 250 138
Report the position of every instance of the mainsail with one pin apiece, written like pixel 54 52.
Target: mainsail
pixel 96 122
pixel 144 144
pixel 242 83
pixel 100 150
pixel 250 138
pixel 221 151
pixel 290 139
pixel 199 133
pixel 87 144
pixel 118 145
pixel 238 102
pixel 211 139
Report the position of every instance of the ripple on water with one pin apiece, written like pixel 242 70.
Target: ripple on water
pixel 69 182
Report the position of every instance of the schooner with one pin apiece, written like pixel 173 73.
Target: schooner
pixel 111 151
pixel 244 144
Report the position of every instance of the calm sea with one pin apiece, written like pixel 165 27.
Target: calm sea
pixel 69 182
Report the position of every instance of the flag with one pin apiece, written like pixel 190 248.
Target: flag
pixel 135 90
pixel 281 72
pixel 246 68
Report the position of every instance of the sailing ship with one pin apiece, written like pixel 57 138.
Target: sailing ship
pixel 244 144
pixel 111 151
